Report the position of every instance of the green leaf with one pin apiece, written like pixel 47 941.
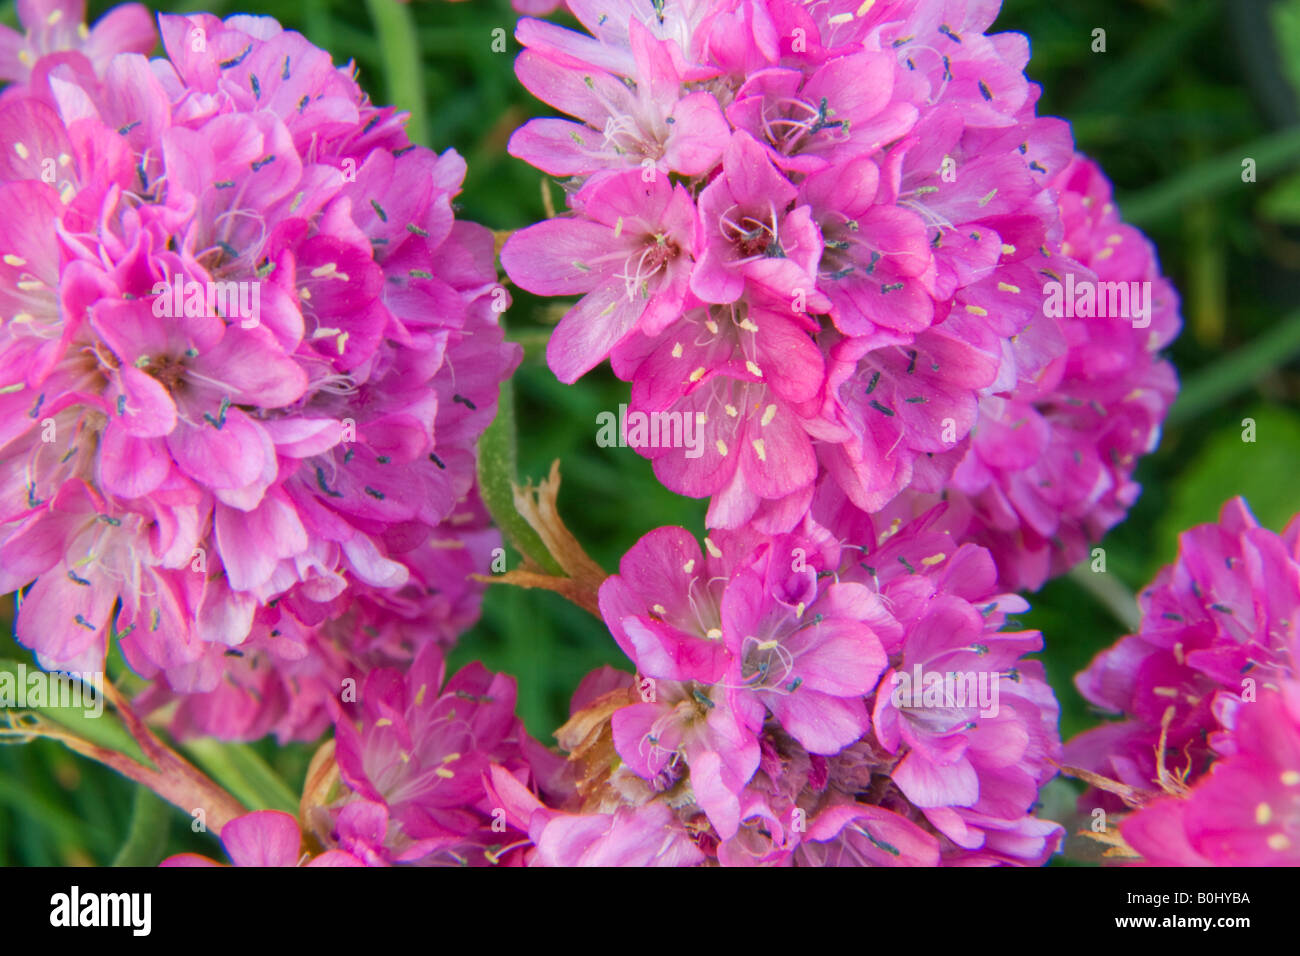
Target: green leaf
pixel 1273 155
pixel 1282 202
pixel 1285 17
pixel 1228 466
pixel 497 468
pixel 1215 383
pixel 243 773
pixel 146 841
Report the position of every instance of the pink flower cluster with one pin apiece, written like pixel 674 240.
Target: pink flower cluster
pixel 1210 692
pixel 823 233
pixel 800 701
pixel 246 352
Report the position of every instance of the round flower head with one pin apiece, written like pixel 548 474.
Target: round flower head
pixel 246 356
pixel 803 701
pixel 413 754
pixel 869 190
pixel 1218 633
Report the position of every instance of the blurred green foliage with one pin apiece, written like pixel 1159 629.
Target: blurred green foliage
pixel 1185 91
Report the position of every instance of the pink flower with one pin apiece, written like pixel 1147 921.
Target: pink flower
pixel 264 838
pixel 629 252
pixel 748 238
pixel 628 96
pixel 415 761
pixel 57 29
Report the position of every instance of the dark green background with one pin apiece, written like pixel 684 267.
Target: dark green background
pixel 1185 91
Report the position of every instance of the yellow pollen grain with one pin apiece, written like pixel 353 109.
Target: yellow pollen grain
pixel 450 757
pixel 689 566
pixel 66 193
pixel 342 342
pixel 23 317
pixel 65 159
pixel 1008 287
pixel 760 449
pixel 659 609
pixel 890 531
pixel 83 31
pixel 697 374
pixel 406 758
pixel 711 326
pixel 54 17
pixel 618 227
pixel 1263 813
pixel 444 773
pixel 748 325
pixel 31 285
pixel 383 722
pixel 754 369
pixel 304 293
pixel 1106 253
pixel 1114 239
pixel 677 350
pixel 932 560
pixel 799 609
pixel 419 695
pixel 769 413
pixel 331 270
pixel 713 633
pixel 13 260
pixel 977 310
pixel 25 59
pixel 712 548
pixel 731 410
pixel 1278 842
pixel 768 645
pixel 866 5
pixel 1291 778
pixel 1165 691
pixel 722 447
pixel 1008 249
pixel 839 19
pixel 21 150
pixel 1178 653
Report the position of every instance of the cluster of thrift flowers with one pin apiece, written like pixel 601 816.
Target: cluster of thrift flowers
pixel 787 710
pixel 245 355
pixel 1209 747
pixel 816 233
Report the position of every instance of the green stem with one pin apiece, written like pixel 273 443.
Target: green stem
pixel 497 471
pixel 400 54
pixel 146 841
pixel 1111 592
